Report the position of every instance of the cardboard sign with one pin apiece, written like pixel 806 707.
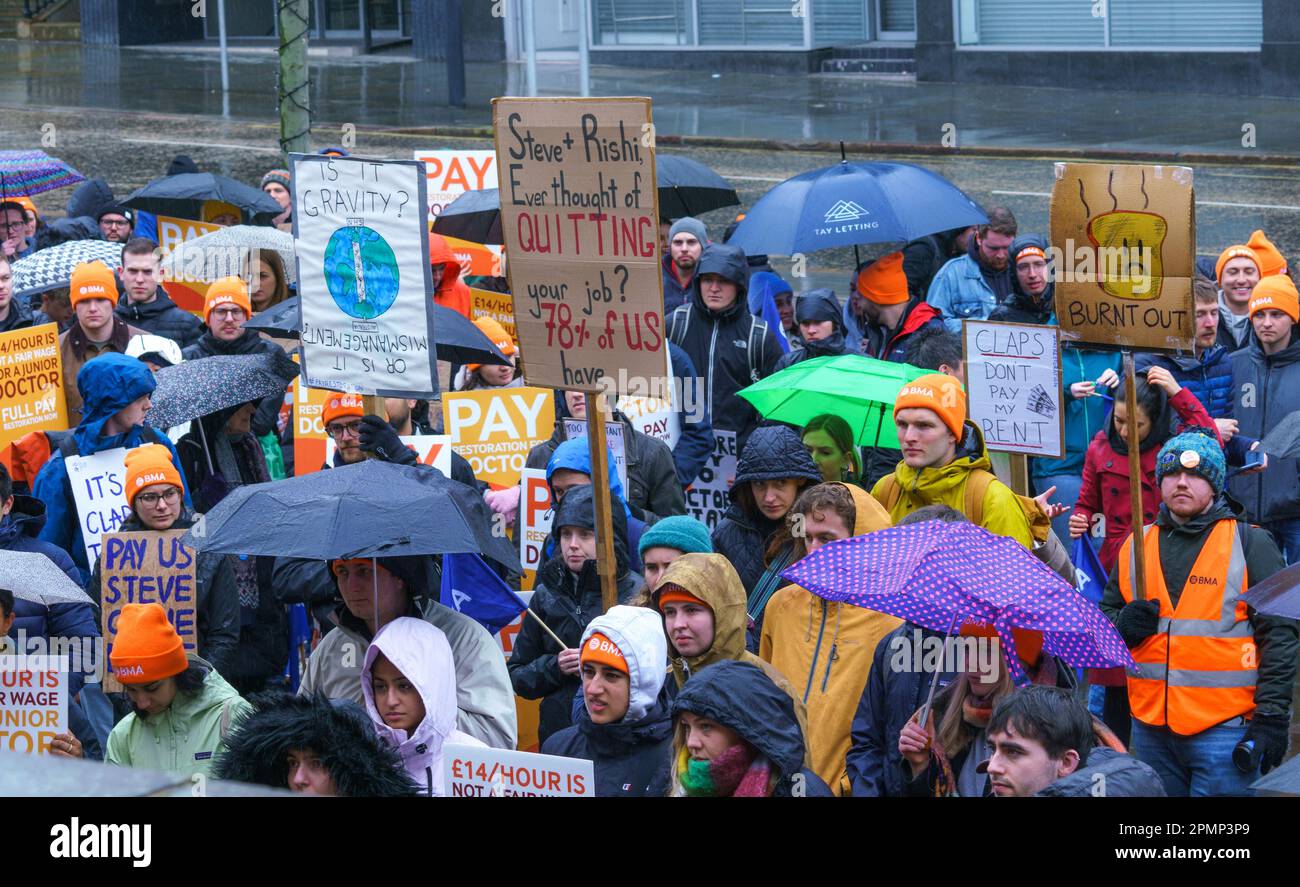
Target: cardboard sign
pixel 432 449
pixel 653 416
pixel 99 490
pixel 148 568
pixel 309 435
pixel 580 217
pixel 1123 255
pixel 33 702
pixel 173 232
pixel 534 522
pixel 498 306
pixel 709 497
pixel 1013 386
pixel 574 428
pixel 362 241
pixel 495 429
pixel 452 172
pixel 31 383
pixel 471 771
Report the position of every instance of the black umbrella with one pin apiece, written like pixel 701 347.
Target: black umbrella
pixel 689 188
pixel 208 385
pixel 455 338
pixel 686 188
pixel 1285 781
pixel 183 196
pixel 474 216
pixel 369 509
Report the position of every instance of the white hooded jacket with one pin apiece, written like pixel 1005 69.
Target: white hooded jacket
pixel 422 654
pixel 639 635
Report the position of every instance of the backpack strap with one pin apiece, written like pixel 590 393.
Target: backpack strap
pixel 673 324
pixel 977 484
pixel 68 447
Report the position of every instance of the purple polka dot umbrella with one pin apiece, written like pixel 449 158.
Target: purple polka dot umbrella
pixel 939 574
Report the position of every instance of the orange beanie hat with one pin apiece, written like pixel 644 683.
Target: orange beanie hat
pixel 1271 261
pixel 146 648
pixel 604 651
pixel 883 281
pixel 1029 643
pixel 670 594
pixel 147 465
pixel 937 392
pixel 227 291
pixel 1276 292
pixel 92 280
pixel 1239 251
pixel 339 405
pixel 499 337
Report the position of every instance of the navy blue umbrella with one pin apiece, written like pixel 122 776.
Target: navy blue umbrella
pixel 853 203
pixel 183 196
pixel 455 338
pixel 369 509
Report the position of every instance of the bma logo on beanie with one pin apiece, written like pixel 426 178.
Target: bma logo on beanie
pixel 147 479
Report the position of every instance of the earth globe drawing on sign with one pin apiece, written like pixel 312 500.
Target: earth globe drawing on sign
pixel 361 272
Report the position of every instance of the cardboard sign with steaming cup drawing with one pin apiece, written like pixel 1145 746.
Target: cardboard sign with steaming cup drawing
pixel 1123 255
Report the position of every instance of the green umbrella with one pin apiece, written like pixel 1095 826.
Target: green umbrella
pixel 860 390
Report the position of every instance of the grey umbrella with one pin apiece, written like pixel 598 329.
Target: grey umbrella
pixel 1283 439
pixel 33 577
pixel 198 388
pixel 224 253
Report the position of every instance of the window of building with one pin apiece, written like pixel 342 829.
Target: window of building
pixel 1111 24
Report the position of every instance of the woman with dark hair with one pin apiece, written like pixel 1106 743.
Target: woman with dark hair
pixel 270 283
pixel 829 440
pixel 183 708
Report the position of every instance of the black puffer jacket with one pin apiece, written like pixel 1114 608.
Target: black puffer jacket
pixel 1020 306
pixel 566 602
pixel 773 452
pixel 268 411
pixel 1123 776
pixel 161 317
pixel 217 601
pixel 741 697
pixel 338 731
pixel 631 760
pixel 731 349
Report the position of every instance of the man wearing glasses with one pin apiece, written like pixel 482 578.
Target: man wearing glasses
pixel 13 230
pixel 116 223
pixel 227 308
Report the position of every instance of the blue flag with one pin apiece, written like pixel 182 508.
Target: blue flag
pixel 470 587
pixel 1090 578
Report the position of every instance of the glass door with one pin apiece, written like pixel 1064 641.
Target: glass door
pixel 896 20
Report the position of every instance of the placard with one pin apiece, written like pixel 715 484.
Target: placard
pixel 498 306
pixel 535 516
pixel 309 435
pixel 148 567
pixel 430 449
pixel 575 428
pixel 472 771
pixel 99 490
pixel 1013 386
pixel 1123 255
pixel 362 242
pixel 653 416
pixel 173 232
pixel 709 497
pixel 31 383
pixel 453 171
pixel 34 696
pixel 496 429
pixel 580 217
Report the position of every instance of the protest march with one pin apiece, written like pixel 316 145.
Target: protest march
pixel 488 473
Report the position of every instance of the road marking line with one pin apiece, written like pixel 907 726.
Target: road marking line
pixel 1272 206
pixel 201 145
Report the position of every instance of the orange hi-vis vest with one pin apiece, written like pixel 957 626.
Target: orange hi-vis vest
pixel 1198 669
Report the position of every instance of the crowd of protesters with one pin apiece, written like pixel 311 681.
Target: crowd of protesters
pixel 713 675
